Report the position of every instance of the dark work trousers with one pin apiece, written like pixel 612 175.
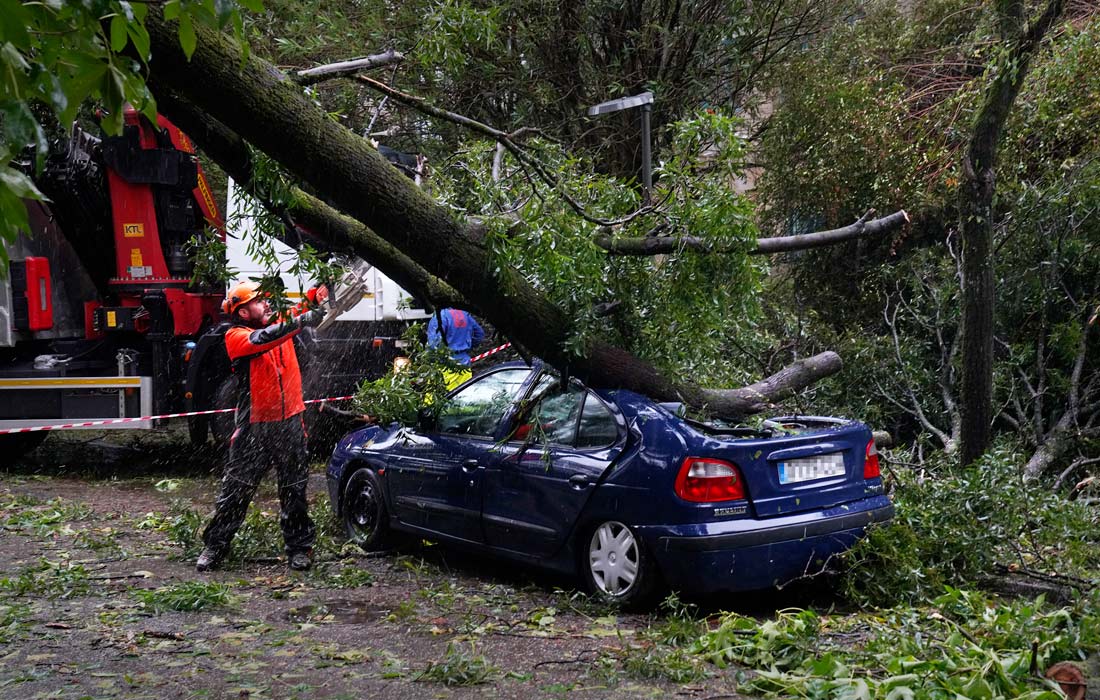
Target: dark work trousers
pixel 253 451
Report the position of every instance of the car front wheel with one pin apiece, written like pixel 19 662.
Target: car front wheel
pixel 364 515
pixel 616 567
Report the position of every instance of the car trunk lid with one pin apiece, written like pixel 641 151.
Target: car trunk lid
pixel 817 463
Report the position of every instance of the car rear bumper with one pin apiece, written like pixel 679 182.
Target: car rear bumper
pixel 750 554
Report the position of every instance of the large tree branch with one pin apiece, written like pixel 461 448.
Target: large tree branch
pixel 311 76
pixel 326 228
pixel 662 245
pixel 765 393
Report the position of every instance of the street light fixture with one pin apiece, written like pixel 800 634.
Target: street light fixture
pixel 645 101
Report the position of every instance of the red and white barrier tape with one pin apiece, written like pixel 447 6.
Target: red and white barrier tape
pixel 494 351
pixel 114 421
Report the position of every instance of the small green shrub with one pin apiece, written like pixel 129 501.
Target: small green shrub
pixel 183 526
pixel 954 525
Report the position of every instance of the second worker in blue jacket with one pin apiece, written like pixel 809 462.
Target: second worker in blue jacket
pixel 460 333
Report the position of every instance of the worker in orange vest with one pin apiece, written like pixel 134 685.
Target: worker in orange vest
pixel 269 429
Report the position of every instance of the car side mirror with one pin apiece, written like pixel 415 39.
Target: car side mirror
pixel 426 419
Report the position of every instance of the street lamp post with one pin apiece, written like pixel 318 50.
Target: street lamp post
pixel 645 101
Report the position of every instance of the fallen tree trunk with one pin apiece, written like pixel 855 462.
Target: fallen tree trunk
pixel 263 106
pixel 326 228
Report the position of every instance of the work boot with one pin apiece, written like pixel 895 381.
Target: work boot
pixel 209 559
pixel 300 561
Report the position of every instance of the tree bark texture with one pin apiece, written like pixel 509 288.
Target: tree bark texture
pixel 976 227
pixel 268 110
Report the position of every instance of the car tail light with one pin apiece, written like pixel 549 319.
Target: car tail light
pixel 709 480
pixel 870 463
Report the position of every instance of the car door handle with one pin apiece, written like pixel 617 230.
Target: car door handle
pixel 469 465
pixel 578 481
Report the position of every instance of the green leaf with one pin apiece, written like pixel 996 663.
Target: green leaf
pixel 14 21
pixel 18 184
pixel 139 36
pixel 21 128
pixel 84 77
pixel 118 33
pixel 188 40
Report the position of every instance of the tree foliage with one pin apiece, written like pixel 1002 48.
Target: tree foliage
pixel 904 101
pixel 530 64
pixel 56 56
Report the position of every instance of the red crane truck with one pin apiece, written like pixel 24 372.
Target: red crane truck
pixel 99 316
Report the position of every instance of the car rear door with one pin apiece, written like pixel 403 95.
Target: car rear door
pixel 436 475
pixel 548 469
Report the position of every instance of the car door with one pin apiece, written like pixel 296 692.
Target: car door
pixel 435 475
pixel 548 467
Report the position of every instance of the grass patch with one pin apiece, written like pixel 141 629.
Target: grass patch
pixel 662 651
pixel 459 668
pixel 104 545
pixel 259 539
pixel 14 620
pixel 342 575
pixel 188 596
pixel 48 580
pixel 30 515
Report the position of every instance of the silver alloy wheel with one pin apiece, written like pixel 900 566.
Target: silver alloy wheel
pixel 613 558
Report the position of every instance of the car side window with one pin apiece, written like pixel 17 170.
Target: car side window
pixel 477 408
pixel 553 421
pixel 597 426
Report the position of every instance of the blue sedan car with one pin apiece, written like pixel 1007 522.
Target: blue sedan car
pixel 612 486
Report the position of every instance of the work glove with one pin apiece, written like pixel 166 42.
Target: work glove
pixel 311 318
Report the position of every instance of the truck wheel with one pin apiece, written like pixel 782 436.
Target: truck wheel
pixel 363 511
pixel 15 445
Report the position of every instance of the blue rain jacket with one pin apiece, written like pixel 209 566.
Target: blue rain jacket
pixel 462 331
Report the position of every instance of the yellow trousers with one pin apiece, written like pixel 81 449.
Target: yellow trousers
pixel 456 378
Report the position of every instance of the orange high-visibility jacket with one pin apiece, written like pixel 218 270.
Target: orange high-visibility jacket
pixel 269 383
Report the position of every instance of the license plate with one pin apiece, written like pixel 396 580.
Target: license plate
pixel 810 468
